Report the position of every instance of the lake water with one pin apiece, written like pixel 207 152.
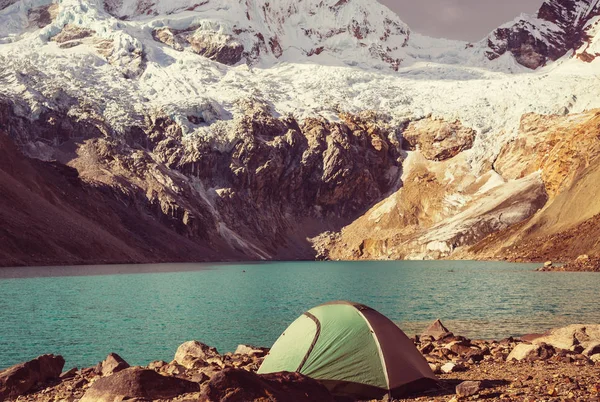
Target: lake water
pixel 144 313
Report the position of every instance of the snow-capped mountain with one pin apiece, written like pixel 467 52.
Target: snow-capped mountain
pixel 248 126
pixel 561 27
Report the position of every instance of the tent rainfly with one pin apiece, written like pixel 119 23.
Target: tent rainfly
pixel 353 350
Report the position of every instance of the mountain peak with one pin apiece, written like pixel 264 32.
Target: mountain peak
pixel 351 31
pixel 559 27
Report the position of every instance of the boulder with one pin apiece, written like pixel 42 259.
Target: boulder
pixel 521 351
pixel 112 364
pixel 468 388
pixel 137 382
pixel 438 139
pixel 235 385
pixel 437 330
pixel 567 337
pixel 532 352
pixel 22 378
pixel 188 353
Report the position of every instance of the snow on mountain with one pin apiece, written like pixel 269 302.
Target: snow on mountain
pixel 196 60
pixel 560 27
pixel 201 111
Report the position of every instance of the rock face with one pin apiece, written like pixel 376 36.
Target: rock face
pixel 438 140
pixel 264 31
pixel 567 152
pixel 140 383
pixel 222 48
pixel 442 208
pixel 52 216
pixel 232 385
pixel 22 378
pixel 277 183
pixel 560 26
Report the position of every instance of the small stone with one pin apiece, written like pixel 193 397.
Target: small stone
pixel 452 368
pixel 174 369
pixel 250 350
pixel 468 388
pixel 427 348
pixel 577 349
pixel 435 368
pixel 69 374
pixel 593 349
pixel 476 355
pixel 155 365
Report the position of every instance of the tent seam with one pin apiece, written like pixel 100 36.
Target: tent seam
pixel 379 349
pixel 314 342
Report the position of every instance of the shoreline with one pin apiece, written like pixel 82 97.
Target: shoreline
pixel 109 263
pixel 561 364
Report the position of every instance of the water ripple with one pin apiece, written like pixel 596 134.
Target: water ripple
pixel 144 312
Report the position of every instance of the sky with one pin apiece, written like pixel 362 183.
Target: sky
pixel 469 20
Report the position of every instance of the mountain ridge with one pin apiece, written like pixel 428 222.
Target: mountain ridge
pixel 266 135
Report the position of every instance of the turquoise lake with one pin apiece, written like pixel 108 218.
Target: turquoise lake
pixel 145 312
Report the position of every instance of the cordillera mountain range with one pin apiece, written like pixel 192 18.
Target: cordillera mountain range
pixel 211 130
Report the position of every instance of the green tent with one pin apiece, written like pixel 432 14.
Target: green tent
pixel 353 350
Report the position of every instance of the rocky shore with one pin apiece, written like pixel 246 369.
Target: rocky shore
pixel 583 263
pixel 560 365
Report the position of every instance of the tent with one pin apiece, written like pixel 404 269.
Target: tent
pixel 353 350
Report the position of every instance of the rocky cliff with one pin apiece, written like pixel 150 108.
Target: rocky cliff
pixel 537 203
